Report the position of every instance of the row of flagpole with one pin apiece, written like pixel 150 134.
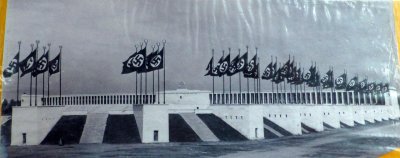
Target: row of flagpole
pixel 31 64
pixel 289 72
pixel 139 62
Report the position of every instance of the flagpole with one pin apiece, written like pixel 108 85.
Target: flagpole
pixel 48 81
pixel 37 49
pixel 60 72
pixel 153 75
pixel 30 87
pixel 223 82
pixel 240 83
pixel 19 54
pixel 230 78
pixel 44 52
pixel 272 82
pixel 165 55
pixel 136 83
pixel 145 75
pixel 212 69
pixel 248 85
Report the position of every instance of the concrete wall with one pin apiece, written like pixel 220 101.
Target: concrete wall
pixel 155 118
pixel 287 117
pixel 330 115
pixel 36 122
pixel 244 118
pixel 346 114
pixel 312 116
pixel 359 114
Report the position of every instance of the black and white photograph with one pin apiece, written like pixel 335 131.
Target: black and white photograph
pixel 200 78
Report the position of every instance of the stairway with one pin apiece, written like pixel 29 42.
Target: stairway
pixel 273 130
pixel 199 127
pixel 220 128
pixel 93 131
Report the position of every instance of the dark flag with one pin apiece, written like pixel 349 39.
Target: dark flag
pixel 233 66
pixel 278 78
pixel 209 68
pixel 378 88
pixel 353 84
pixel 42 65
pixel 269 72
pixel 136 62
pixel 327 80
pixel 385 88
pixel 224 66
pixel 215 71
pixel 309 77
pixel 285 70
pixel 155 60
pixel 251 69
pixel 242 63
pixel 363 86
pixel 298 77
pixel 315 81
pixel 54 65
pixel 12 67
pixel 28 64
pixel 371 87
pixel 292 74
pixel 341 81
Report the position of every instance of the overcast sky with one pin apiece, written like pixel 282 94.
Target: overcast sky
pixel 97 36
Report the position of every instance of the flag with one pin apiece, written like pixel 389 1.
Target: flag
pixel 251 69
pixel 233 66
pixel 315 81
pixel 224 66
pixel 54 65
pixel 209 68
pixel 285 72
pixel 28 64
pixel 215 71
pixel 155 60
pixel 363 86
pixel 42 64
pixel 242 63
pixel 353 84
pixel 327 80
pixel 371 87
pixel 298 77
pixel 385 88
pixel 341 81
pixel 269 72
pixel 278 78
pixel 292 75
pixel 136 62
pixel 309 77
pixel 378 88
pixel 12 67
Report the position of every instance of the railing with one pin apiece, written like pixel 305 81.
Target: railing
pixel 99 99
pixel 340 98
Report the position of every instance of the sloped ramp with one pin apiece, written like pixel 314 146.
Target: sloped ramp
pixel 368 122
pixel 180 131
pixel 95 125
pixel 344 125
pixel 121 129
pixel 67 130
pixel 220 128
pixel 6 132
pixel 272 130
pixel 327 126
pixel 199 127
pixel 357 124
pixel 307 129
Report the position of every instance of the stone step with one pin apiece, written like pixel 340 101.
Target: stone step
pixel 199 127
pixel 93 131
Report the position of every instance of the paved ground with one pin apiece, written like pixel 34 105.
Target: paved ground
pixel 363 141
